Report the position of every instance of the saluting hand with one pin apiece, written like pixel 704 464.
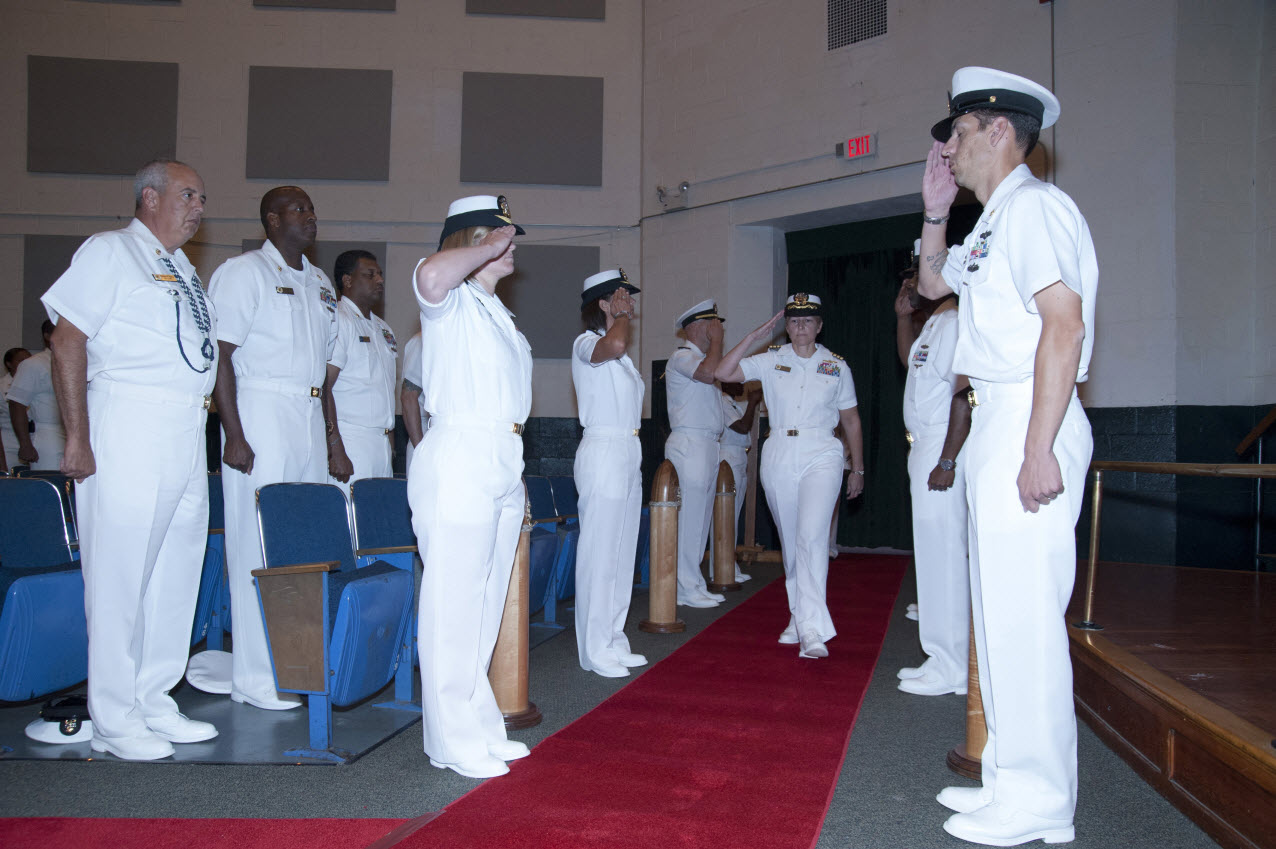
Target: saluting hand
pixel 939 189
pixel 499 239
pixel 904 302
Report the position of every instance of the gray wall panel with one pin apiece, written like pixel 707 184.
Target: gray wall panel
pixel 353 5
pixel 587 9
pixel 44 258
pixel 544 295
pixel 532 129
pixel 292 134
pixel 99 116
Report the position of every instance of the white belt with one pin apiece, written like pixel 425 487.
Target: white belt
pixel 157 394
pixel 283 387
pixel 384 431
pixel 699 432
pixel 803 432
pixel 596 430
pixel 985 392
pixel 466 423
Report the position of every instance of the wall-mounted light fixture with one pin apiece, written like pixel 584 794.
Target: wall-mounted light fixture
pixel 673 198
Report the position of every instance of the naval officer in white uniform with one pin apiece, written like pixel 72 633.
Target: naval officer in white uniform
pixel 33 409
pixel 277 325
pixel 937 421
pixel 466 487
pixel 695 422
pixel 1027 276
pixel 608 473
pixel 359 390
pixel 808 391
pixel 134 363
pixel 411 399
pixel 734 445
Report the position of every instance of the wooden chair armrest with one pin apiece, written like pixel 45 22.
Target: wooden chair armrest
pixel 565 518
pixel 298 569
pixel 389 549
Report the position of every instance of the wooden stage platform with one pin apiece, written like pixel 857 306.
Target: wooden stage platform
pixel 1181 682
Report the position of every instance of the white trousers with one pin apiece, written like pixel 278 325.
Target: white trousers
pixel 369 451
pixel 608 474
pixel 802 477
pixel 143 520
pixel 737 457
pixel 694 455
pixel 49 442
pixel 940 555
pixel 1022 567
pixel 466 494
pixel 286 434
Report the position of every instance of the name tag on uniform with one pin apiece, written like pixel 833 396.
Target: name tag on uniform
pixel 365 338
pixel 165 278
pixel 284 290
pixel 782 368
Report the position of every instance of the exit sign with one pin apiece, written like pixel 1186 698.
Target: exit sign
pixel 854 148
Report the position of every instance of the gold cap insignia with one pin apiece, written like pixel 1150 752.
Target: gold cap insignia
pixel 623 275
pixel 505 208
pixel 801 299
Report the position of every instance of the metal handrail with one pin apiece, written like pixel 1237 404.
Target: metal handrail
pixel 1200 470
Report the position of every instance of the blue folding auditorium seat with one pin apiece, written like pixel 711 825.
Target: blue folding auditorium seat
pixel 335 631
pixel 563 488
pixel 212 607
pixel 642 557
pixel 66 488
pixel 383 532
pixel 547 526
pixel 44 641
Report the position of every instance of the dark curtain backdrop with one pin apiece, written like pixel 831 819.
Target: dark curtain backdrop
pixel 854 269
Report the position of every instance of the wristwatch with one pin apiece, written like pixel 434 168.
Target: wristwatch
pixel 947 465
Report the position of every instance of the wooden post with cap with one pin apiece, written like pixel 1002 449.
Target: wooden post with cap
pixel 508 671
pixel 723 566
pixel 662 598
pixel 965 758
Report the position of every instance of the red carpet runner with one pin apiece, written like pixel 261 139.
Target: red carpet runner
pixel 731 741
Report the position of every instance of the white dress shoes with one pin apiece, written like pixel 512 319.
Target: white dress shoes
pixel 697 601
pixel 284 701
pixel 930 684
pixel 718 597
pixel 963 800
pixel 740 577
pixel 789 637
pixel 997 825
pixel 508 750
pixel 813 646
pixel 911 614
pixel 150 747
pixel 629 659
pixel 488 767
pixel 911 672
pixel 611 671
pixel 179 728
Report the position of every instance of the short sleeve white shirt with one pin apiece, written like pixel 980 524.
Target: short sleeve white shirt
pixel 802 392
pixel 6 424
pixel 608 394
pixel 475 363
pixel 367 354
pixel 732 412
pixel 692 404
pixel 33 388
pixel 412 369
pixel 1030 236
pixel 139 306
pixel 931 382
pixel 282 320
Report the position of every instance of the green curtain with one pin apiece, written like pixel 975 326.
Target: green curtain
pixel 854 268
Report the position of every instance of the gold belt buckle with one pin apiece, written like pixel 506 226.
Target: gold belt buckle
pixel 518 429
pixel 316 392
pixel 791 432
pixel 208 401
pixel 635 431
pixel 972 398
pixel 389 430
pixel 908 434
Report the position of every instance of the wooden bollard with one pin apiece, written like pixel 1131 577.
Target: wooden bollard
pixel 723 566
pixel 508 670
pixel 965 759
pixel 662 598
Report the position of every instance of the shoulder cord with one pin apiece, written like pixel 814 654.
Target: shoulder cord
pixel 199 311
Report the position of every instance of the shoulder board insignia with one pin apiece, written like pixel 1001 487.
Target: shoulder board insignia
pixel 779 367
pixel 838 356
pixel 773 347
pixel 284 290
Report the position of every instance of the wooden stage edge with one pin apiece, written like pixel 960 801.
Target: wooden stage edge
pixel 1216 767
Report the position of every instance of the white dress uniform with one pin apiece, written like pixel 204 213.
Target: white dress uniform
pixel 10 439
pixel 695 421
pixel 367 355
pixel 608 473
pixel 143 516
pixel 939 518
pixel 33 388
pixel 1022 564
pixel 734 448
pixel 412 372
pixel 284 324
pixel 801 468
pixel 467 499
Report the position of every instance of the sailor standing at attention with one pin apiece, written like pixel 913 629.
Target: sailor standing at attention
pixel 277 325
pixel 133 365
pixel 466 486
pixel 1027 276
pixel 608 473
pixel 695 422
